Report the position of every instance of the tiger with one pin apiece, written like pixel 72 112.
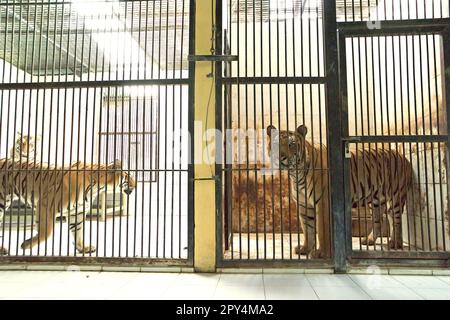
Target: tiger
pixel 56 189
pixel 385 182
pixel 25 148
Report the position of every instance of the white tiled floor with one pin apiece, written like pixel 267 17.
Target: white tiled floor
pixel 185 286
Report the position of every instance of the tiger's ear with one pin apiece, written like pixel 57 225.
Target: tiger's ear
pixel 76 164
pixel 18 134
pixel 271 130
pixel 117 164
pixel 302 130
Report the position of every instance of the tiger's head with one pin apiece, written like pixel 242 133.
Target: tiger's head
pixel 110 174
pixel 290 146
pixel 25 146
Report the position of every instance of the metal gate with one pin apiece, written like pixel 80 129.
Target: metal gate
pixel 94 139
pixel 279 80
pixel 375 116
pixel 395 90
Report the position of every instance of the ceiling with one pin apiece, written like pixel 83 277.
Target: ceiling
pixel 58 37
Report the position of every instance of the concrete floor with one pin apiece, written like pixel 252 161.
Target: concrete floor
pixel 189 286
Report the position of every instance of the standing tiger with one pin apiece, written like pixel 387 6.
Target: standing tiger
pixel 56 189
pixel 382 179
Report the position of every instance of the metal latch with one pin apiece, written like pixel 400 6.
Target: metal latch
pixel 347 142
pixel 348 154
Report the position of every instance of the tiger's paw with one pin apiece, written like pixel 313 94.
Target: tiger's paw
pixel 368 241
pixel 27 244
pixel 396 245
pixel 302 250
pixel 86 249
pixel 3 251
pixel 316 254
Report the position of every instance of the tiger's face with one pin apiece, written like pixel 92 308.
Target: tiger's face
pixel 290 146
pixel 25 146
pixel 119 178
pixel 128 183
pixel 111 175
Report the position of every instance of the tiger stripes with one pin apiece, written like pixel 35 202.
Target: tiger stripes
pixel 383 180
pixel 56 189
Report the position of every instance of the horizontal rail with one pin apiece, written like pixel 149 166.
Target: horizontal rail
pixel 124 261
pixel 92 84
pixel 274 80
pixel 390 254
pixel 275 263
pixel 213 58
pixel 33 3
pixel 398 139
pixel 406 27
pixel 83 170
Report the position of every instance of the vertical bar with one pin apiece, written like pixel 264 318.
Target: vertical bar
pixel 15 121
pixel 2 97
pixel 294 64
pixel 158 129
pixel 416 121
pixel 403 131
pixel 433 175
pixel 437 56
pixel 218 26
pixel 326 215
pixel 410 131
pixel 263 122
pixel 247 168
pixel 287 126
pixel 152 142
pixel 35 174
pixel 356 129
pixel 335 154
pixel 445 54
pixel 255 131
pixel 144 122
pixel 238 45
pixel 41 169
pixel 22 121
pixel 166 60
pixel 278 103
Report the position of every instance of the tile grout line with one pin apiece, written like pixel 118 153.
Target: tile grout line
pixel 362 289
pixel 310 284
pixel 264 286
pixel 423 298
pixel 217 286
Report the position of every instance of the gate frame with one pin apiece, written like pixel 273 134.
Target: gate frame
pixel 335 154
pixel 439 26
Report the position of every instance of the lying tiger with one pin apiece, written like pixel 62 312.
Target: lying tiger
pixel 381 179
pixel 56 189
